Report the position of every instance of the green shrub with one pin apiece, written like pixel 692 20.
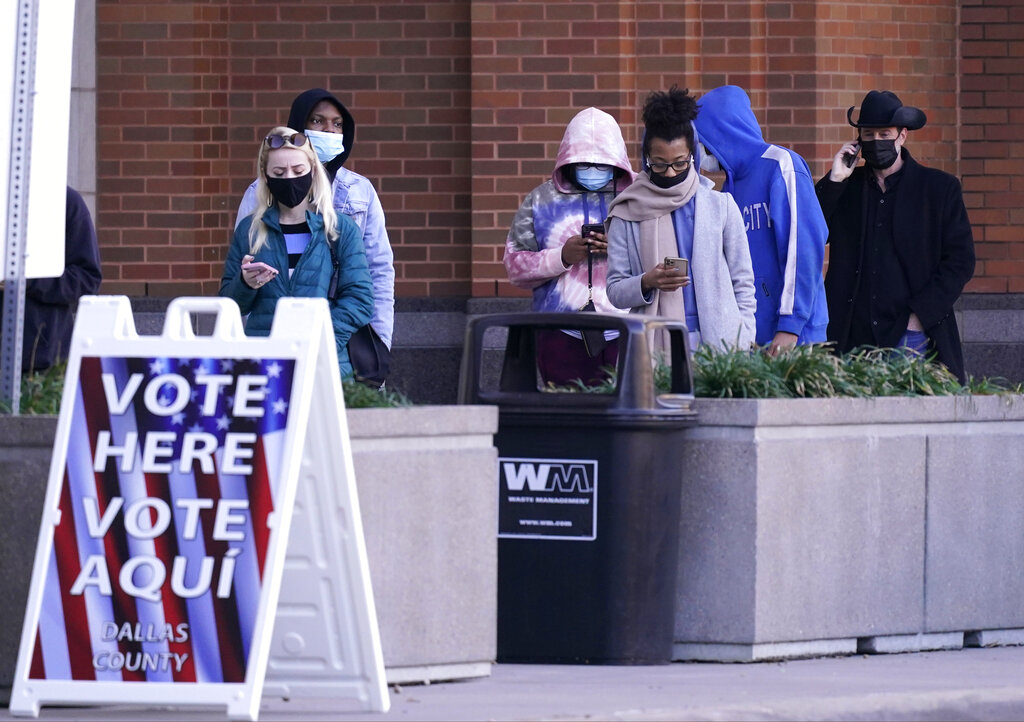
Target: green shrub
pixel 577 386
pixel 360 396
pixel 814 371
pixel 811 371
pixel 41 393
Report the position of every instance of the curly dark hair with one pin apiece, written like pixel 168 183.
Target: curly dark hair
pixel 668 115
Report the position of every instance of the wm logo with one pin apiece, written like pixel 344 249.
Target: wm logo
pixel 537 476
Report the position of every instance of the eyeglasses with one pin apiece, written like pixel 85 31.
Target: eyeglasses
pixel 278 141
pixel 594 166
pixel 679 166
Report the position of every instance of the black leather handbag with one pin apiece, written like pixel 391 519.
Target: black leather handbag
pixel 370 357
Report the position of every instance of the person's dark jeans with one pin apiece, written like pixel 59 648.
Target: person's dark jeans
pixel 916 341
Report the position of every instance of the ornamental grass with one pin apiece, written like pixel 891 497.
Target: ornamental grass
pixel 41 393
pixel 812 371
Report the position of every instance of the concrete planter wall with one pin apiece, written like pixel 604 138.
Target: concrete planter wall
pixel 837 525
pixel 26 444
pixel 428 499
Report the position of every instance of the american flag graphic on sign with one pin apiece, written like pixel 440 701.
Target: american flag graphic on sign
pixel 156 568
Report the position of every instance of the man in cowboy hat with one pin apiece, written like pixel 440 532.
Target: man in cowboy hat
pixel 900 243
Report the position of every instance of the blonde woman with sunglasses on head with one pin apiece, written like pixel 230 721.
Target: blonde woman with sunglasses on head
pixel 294 244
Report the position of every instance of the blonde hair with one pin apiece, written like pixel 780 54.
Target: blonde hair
pixel 320 193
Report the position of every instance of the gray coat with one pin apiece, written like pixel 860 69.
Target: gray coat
pixel 723 278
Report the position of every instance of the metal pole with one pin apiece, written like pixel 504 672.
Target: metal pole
pixel 17 207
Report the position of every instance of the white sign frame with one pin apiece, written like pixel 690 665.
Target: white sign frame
pixel 50 115
pixel 51 109
pixel 301 331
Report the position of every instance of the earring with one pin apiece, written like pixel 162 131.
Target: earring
pixel 270 202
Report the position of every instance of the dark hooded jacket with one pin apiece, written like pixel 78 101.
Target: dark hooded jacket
pixel 355 197
pixel 303 105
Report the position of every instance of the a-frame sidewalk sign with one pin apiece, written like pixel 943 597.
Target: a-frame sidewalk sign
pixel 175 472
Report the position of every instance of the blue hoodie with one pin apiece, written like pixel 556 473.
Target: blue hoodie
pixel 786 230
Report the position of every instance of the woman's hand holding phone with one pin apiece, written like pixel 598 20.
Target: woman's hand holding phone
pixel 669 275
pixel 593 235
pixel 256 273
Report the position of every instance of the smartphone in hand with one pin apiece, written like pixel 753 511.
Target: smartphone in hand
pixel 850 159
pixel 587 228
pixel 675 262
pixel 258 266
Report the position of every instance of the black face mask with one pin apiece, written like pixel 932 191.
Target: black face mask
pixel 879 154
pixel 663 181
pixel 290 191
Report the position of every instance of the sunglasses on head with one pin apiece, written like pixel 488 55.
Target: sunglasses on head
pixel 278 141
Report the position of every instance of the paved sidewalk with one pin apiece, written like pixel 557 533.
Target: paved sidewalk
pixel 971 684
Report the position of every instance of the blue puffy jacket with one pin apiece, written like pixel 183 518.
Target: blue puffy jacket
pixel 311 278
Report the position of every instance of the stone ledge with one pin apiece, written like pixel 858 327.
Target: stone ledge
pixel 901 643
pixel 990 301
pixel 994 638
pixel 422 421
pixel 852 411
pixel 684 652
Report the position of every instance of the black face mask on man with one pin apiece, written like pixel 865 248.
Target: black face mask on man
pixel 879 154
pixel 290 191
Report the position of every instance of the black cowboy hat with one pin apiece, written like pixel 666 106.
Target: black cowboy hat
pixel 882 109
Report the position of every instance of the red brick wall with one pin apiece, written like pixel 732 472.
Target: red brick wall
pixel 992 115
pixel 535 65
pixel 460 107
pixel 162 161
pixel 185 89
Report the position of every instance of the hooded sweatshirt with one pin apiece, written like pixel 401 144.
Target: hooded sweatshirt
pixel 355 197
pixel 555 210
pixel 303 105
pixel 785 227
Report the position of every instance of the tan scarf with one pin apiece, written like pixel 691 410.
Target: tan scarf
pixel 652 207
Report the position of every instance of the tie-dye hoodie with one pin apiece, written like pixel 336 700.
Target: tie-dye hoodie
pixel 786 230
pixel 554 211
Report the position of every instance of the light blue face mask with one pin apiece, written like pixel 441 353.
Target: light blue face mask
pixel 328 146
pixel 594 177
pixel 709 162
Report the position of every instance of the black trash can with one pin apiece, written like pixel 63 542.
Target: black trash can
pixel 589 492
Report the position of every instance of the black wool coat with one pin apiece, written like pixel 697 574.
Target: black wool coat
pixel 933 243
